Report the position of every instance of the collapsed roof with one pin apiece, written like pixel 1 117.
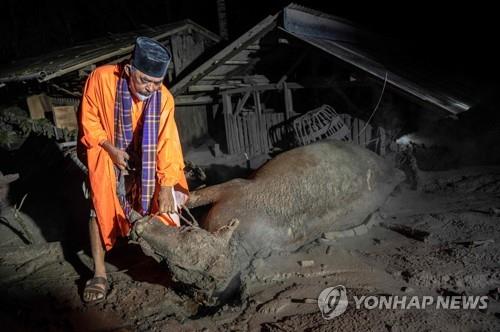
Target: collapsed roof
pixel 111 48
pixel 233 66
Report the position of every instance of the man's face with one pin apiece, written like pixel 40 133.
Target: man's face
pixel 4 191
pixel 142 86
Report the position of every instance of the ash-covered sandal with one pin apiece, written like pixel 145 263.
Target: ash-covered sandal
pixel 95 290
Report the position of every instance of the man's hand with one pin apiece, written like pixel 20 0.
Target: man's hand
pixel 166 200
pixel 118 156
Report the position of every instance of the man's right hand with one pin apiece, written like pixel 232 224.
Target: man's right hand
pixel 118 156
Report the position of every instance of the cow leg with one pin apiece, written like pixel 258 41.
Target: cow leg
pixel 213 194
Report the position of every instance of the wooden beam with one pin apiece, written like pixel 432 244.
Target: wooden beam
pixel 236 62
pixel 263 87
pixel 242 102
pixel 293 67
pixel 227 110
pixel 71 93
pixel 210 87
pixel 227 53
pixel 193 100
pixel 255 47
pixel 261 130
pixel 287 93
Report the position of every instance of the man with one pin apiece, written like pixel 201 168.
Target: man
pixel 133 151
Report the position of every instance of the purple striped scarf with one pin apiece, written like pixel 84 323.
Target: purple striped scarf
pixel 123 140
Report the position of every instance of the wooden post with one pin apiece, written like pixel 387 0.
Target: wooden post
pixel 355 130
pixel 227 110
pixel 288 101
pixel 261 130
pixel 242 102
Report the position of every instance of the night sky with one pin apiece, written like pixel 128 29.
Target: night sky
pixel 453 38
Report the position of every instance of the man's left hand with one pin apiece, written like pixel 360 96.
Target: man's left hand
pixel 166 200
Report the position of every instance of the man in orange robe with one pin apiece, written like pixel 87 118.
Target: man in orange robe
pixel 115 99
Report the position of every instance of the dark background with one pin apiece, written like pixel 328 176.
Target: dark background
pixel 456 38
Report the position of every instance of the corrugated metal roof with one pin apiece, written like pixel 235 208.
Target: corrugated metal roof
pixel 54 64
pixel 346 42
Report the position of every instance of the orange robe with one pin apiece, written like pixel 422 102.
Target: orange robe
pixel 97 123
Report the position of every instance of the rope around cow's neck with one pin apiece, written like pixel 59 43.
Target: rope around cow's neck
pixel 194 222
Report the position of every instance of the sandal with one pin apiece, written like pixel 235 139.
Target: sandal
pixel 94 291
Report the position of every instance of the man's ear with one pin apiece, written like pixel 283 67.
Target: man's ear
pixel 127 69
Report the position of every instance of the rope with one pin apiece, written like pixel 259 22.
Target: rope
pixel 20 221
pixel 376 107
pixel 194 223
pixel 190 215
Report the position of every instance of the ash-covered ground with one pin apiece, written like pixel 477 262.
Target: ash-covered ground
pixel 452 249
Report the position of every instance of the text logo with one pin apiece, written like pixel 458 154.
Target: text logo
pixel 332 301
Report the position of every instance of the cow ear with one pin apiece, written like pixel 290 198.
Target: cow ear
pixel 227 231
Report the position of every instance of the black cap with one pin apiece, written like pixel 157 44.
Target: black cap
pixel 151 57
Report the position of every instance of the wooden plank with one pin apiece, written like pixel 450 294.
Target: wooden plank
pixel 185 49
pixel 233 137
pixel 209 87
pixel 255 140
pixel 241 102
pixel 368 135
pixel 65 117
pixel 355 130
pixel 266 122
pixel 239 128
pixel 288 101
pixel 251 134
pixel 234 134
pixel 346 118
pixel 258 121
pixel 361 133
pixel 186 100
pixel 38 105
pixel 264 87
pixel 226 104
pixel 245 130
pixel 226 131
pixel 236 62
pixel 254 145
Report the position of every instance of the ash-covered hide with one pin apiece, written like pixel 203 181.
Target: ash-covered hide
pixel 195 256
pixel 290 201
